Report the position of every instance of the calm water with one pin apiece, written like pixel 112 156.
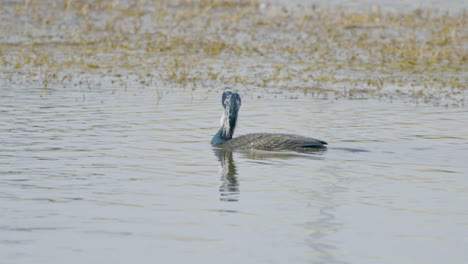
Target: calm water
pixel 120 176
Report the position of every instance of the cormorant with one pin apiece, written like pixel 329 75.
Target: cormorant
pixel 263 141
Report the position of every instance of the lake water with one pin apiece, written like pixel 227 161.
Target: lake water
pixel 114 175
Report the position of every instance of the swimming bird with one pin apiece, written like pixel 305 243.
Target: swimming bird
pixel 231 102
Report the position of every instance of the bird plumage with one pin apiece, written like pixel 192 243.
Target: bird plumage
pixel 273 141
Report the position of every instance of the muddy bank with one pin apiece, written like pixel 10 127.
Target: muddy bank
pixel 419 56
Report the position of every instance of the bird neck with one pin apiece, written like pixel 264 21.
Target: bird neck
pixel 218 138
pixel 228 125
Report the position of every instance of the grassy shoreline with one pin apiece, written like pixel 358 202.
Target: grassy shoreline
pixel 337 53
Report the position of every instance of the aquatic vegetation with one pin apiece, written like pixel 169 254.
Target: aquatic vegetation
pixel 335 53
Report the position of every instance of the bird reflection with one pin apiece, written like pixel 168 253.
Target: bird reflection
pixel 319 228
pixel 229 188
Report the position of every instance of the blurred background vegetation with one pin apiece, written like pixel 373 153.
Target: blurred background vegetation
pixel 330 52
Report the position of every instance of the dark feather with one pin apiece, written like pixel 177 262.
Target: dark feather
pixel 270 141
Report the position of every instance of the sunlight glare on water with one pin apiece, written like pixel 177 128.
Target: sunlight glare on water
pixel 126 175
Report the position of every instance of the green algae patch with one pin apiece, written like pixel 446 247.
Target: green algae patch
pixel 334 53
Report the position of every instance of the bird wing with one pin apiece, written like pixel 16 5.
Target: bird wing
pixel 269 141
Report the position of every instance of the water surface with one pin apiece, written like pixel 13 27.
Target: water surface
pixel 124 175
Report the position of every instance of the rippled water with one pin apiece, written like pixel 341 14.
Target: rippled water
pixel 119 176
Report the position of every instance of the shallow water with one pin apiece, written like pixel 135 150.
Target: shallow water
pixel 128 175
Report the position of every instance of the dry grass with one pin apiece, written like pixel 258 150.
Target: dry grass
pixel 336 53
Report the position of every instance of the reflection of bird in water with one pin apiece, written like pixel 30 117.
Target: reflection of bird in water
pixel 265 141
pixel 229 188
